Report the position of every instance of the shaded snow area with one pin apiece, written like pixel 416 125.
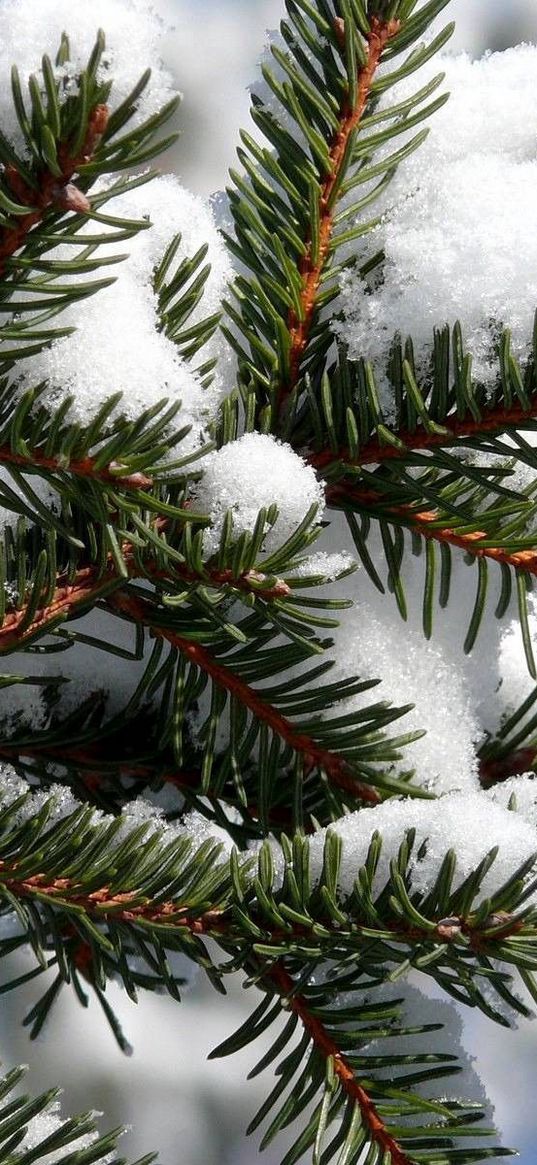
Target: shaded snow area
pixel 459 231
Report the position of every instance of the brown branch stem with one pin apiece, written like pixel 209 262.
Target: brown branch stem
pixel 81 467
pixel 375 451
pixel 424 522
pixel 346 1076
pixel 312 264
pixel 129 906
pixel 335 767
pixel 90 584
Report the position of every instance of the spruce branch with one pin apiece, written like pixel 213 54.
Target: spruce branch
pixel 65 140
pixel 430 524
pixel 233 705
pixel 287 229
pixel 108 871
pixel 122 892
pixel 339 770
pixel 453 433
pixel 55 189
pixel 312 264
pixel 340 1066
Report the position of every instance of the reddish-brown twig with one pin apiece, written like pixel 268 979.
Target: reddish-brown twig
pixel 79 467
pixel 336 767
pixel 90 584
pixel 345 1074
pixel 312 264
pixel 424 522
pixel 375 451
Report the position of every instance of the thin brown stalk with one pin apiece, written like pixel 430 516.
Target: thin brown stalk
pixel 312 264
pixel 336 767
pixel 343 1070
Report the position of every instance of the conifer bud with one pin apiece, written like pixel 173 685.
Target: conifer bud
pixel 69 197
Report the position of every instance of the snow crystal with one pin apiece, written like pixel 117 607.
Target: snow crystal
pixel 193 825
pixel 141 812
pixel 412 671
pixel 460 225
pixel 328 566
pixel 468 823
pixel 133 35
pixel 496 90
pixel 197 827
pixel 118 344
pixel 59 798
pixel 247 475
pixel 11 786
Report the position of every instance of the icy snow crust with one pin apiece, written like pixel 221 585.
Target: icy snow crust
pixel 460 220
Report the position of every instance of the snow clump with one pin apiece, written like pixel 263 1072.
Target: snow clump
pixel 468 823
pixel 118 344
pixel 415 672
pixel 459 230
pixel 251 474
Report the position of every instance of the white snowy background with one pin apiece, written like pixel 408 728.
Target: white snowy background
pixel 190 1110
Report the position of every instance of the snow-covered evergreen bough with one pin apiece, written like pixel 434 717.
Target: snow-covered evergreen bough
pixel 267 552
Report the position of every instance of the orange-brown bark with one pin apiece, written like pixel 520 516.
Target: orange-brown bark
pixel 312 265
pixel 424 522
pixel 336 767
pixel 81 467
pixel 90 584
pixel 375 451
pixel 346 1076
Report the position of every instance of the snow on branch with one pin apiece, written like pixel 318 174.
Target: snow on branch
pixel 459 231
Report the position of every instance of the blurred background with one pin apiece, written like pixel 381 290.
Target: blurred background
pixel 191 1111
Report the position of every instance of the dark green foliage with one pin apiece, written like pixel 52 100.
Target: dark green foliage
pixel 234 704
pixel 123 892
